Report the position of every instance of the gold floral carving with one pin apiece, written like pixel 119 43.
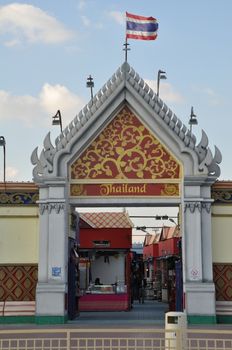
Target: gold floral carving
pixel 125 150
pixel 77 190
pixel 170 190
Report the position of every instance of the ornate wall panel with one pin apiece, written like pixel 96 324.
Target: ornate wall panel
pixel 125 150
pixel 223 281
pixel 126 159
pixel 222 196
pixel 18 283
pixel 19 198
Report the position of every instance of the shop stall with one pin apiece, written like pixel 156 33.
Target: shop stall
pixel 105 262
pixel 162 261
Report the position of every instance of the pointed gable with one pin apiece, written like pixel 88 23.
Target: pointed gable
pixel 126 149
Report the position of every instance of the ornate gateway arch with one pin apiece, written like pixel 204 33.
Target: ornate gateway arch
pixel 125 148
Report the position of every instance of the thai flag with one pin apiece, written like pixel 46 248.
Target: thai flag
pixel 139 27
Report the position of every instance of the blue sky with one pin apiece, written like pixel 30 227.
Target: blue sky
pixel 49 48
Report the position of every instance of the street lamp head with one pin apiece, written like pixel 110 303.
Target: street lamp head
pixel 3 144
pixel 55 122
pixel 142 228
pixel 164 217
pixel 90 82
pixel 193 118
pixel 57 118
pixel 2 141
pixel 162 74
pixel 90 85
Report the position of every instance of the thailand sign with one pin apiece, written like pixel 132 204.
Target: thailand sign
pixel 124 189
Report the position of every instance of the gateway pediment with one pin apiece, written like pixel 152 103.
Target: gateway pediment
pixel 125 150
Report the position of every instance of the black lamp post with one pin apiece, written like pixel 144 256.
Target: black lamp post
pixel 161 75
pixel 192 120
pixel 167 217
pixel 57 120
pixel 90 84
pixel 3 144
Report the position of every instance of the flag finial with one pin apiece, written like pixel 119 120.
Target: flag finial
pixel 126 48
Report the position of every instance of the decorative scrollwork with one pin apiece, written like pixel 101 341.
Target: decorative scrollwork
pixel 206 206
pixel 170 190
pixel 57 207
pixel 19 198
pixel 78 190
pixel 125 150
pixel 192 206
pixel 222 196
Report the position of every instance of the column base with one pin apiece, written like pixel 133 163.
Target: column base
pixel 201 319
pixel 51 319
pixel 50 300
pixel 200 300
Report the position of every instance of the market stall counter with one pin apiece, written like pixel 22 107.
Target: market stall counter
pixel 105 298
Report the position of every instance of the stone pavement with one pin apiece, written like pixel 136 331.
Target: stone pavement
pixel 151 313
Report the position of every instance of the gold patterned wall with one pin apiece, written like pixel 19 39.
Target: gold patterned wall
pixel 18 283
pixel 222 276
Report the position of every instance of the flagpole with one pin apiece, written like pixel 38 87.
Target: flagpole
pixel 126 44
pixel 126 48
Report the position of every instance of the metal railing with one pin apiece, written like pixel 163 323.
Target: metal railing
pixel 114 339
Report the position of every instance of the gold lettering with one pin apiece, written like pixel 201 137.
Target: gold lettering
pixel 144 188
pixel 118 189
pixel 105 189
pixel 110 189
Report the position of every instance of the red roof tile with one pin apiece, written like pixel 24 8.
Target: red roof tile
pixel 107 219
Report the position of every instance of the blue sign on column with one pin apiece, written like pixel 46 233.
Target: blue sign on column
pixel 56 271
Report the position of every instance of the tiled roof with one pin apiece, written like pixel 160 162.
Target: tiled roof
pixel 152 238
pixel 170 232
pixel 107 219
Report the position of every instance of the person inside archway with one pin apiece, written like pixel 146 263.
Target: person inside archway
pixel 97 282
pixel 74 255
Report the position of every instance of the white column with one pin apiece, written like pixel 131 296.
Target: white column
pixel 43 237
pixel 199 289
pixel 206 229
pixel 193 256
pixel 52 278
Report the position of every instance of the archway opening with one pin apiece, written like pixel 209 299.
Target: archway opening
pixel 129 260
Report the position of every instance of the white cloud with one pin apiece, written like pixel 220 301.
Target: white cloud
pixel 38 111
pixel 53 97
pixel 81 4
pixel 85 21
pixel 11 173
pixel 119 17
pixel 23 22
pixel 166 91
pixel 213 97
pixel 17 107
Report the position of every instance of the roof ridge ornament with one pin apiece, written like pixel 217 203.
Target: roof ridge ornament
pixel 214 169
